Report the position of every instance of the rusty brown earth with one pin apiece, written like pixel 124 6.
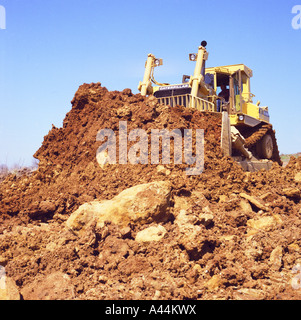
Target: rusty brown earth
pixel 248 239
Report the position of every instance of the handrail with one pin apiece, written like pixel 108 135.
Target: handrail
pixel 188 101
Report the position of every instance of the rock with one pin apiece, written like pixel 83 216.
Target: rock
pixel 265 223
pixel 181 203
pixel 292 193
pixel 254 201
pixel 206 219
pixel 124 111
pixel 46 207
pixel 157 295
pixel 103 278
pixel 293 247
pixel 2 284
pixel 223 198
pixel 261 223
pixel 196 244
pixel 245 206
pixel 102 158
pixel 134 264
pixel 266 195
pixel 49 287
pixel 184 218
pixel 3 261
pixel 276 258
pixel 298 177
pixel 249 294
pixel 214 283
pixel 153 233
pixel 141 204
pixel 8 287
pixel 296 280
pixel 193 273
pixel 126 232
pixel 127 92
pixel 162 170
pixel 207 210
pixel 43 208
pixel 253 249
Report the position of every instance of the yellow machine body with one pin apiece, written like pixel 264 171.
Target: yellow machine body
pixel 196 91
pixel 248 124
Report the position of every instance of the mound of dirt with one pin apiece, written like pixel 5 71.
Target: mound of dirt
pixel 229 234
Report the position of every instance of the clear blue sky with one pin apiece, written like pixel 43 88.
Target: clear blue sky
pixel 49 48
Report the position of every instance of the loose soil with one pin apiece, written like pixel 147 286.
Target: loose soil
pixel 249 250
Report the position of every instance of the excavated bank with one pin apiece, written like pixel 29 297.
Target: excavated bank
pixel 230 234
pixel 68 173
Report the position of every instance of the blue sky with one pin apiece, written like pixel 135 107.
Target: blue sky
pixel 49 48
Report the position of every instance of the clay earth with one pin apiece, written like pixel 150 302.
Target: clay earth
pixel 223 234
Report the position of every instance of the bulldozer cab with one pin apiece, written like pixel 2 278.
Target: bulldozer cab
pixel 236 78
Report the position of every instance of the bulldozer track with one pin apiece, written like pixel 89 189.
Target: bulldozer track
pixel 258 133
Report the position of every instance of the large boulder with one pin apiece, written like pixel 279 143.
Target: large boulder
pixel 141 204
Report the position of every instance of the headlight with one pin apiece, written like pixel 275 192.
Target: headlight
pixel 241 117
pixel 158 62
pixel 192 56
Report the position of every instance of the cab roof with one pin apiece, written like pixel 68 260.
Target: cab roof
pixel 231 69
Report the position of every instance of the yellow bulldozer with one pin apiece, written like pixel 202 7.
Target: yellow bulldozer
pixel 246 135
